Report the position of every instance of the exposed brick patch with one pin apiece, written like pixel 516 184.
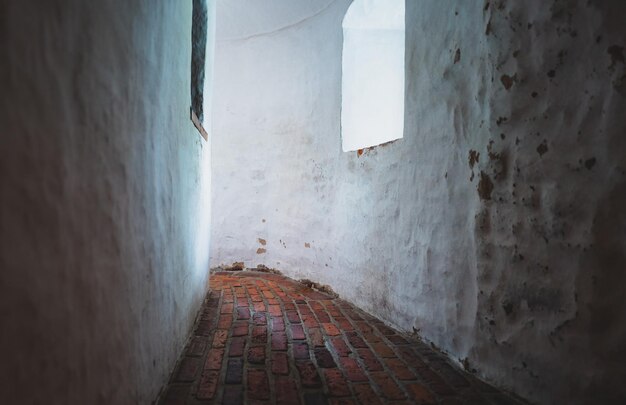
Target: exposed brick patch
pixel 260 337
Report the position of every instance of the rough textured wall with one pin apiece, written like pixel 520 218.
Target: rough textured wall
pixel 104 198
pixel 495 228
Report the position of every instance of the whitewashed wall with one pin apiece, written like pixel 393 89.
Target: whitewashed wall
pixel 494 228
pixel 104 200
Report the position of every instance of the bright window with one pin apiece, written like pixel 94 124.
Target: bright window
pixel 372 107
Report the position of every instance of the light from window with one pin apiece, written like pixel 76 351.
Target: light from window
pixel 372 107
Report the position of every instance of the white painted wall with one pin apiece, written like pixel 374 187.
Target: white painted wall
pixel 513 261
pixel 104 200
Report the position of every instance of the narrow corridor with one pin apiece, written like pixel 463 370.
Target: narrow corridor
pixel 264 338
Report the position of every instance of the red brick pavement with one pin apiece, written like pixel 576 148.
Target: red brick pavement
pixel 265 339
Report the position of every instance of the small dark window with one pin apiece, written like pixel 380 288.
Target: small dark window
pixel 198 59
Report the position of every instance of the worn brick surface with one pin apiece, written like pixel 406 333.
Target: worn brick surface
pixel 258 384
pixel 208 384
pixel 262 338
pixel 256 355
pixel 188 369
pixel 214 359
pixel 280 363
pixel 286 391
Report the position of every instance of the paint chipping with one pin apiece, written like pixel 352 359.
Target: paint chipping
pixel 307 245
pixel 542 149
pixel 473 158
pixel 264 269
pixel 260 251
pixel 236 266
pixel 485 186
pixel 508 81
pixel 319 287
pixel 262 241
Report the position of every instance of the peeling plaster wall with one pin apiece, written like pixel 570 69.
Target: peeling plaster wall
pixel 495 229
pixel 104 200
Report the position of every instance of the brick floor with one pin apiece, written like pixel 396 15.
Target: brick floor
pixel 265 339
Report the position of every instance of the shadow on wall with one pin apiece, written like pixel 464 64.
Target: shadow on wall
pixel 607 311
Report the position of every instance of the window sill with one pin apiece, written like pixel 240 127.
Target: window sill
pixel 198 125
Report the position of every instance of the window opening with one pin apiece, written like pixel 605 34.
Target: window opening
pixel 372 106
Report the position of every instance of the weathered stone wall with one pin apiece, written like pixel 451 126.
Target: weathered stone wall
pixel 495 228
pixel 104 199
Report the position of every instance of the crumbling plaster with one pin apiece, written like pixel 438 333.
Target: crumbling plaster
pixel 104 200
pixel 495 229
